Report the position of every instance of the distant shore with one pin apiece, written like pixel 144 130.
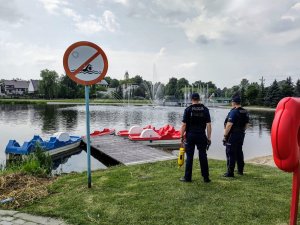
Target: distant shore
pixel 102 102
pixel 254 108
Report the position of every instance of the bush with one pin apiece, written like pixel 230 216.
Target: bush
pixel 38 163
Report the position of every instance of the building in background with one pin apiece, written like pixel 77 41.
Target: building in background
pixel 33 86
pixel 14 87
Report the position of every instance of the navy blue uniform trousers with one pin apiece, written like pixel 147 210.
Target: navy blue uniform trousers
pixel 234 152
pixel 199 140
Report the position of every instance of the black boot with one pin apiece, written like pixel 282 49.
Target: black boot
pixel 228 174
pixel 206 179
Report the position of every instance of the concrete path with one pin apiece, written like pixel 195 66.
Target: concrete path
pixel 8 217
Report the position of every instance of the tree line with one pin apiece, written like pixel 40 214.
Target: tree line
pixel 52 85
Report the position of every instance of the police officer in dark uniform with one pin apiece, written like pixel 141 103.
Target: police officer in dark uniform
pixel 235 125
pixel 196 119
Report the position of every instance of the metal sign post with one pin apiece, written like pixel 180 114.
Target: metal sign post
pixel 86 64
pixel 88 146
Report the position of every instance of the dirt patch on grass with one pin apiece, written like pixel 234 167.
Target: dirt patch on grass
pixel 264 160
pixel 17 189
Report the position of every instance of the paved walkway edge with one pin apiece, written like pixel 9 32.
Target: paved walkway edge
pixel 9 217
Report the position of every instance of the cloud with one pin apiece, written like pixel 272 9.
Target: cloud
pixel 72 14
pixel 296 6
pixel 241 21
pixel 10 12
pixel 205 29
pixel 93 24
pixel 162 51
pixel 109 21
pixel 160 54
pixel 122 2
pixel 24 58
pixel 187 65
pixel 88 27
pixel 178 6
pixel 96 24
pixel 53 5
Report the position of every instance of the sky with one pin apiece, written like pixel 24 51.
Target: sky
pixel 222 41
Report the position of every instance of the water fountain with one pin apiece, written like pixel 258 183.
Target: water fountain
pixel 203 92
pixel 155 90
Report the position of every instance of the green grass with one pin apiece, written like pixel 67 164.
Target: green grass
pixel 152 194
pixel 38 164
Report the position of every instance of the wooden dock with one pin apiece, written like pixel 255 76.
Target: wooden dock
pixel 127 152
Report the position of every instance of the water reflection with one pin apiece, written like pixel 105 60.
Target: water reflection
pixel 21 122
pixel 262 120
pixel 75 161
pixel 172 118
pixel 69 119
pixel 49 118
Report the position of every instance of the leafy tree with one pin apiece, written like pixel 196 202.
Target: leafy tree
pixel 137 80
pixel 244 83
pixel 262 93
pixel 225 92
pixel 243 96
pixel 67 88
pixel 181 83
pixel 297 89
pixel 287 88
pixel 114 83
pixel 108 79
pixel 211 85
pixel 252 93
pixel 199 83
pixel 171 86
pixel 233 91
pixel 139 92
pixel 48 84
pixel 218 93
pixel 273 95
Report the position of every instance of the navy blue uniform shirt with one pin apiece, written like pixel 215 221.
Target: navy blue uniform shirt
pixel 196 117
pixel 239 117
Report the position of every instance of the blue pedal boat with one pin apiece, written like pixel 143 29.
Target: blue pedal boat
pixel 57 144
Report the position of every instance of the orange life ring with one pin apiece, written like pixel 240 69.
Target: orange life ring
pixel 285 134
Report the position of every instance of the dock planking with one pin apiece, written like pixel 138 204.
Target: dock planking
pixel 127 152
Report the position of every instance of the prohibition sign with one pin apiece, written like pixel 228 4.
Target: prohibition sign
pixel 85 63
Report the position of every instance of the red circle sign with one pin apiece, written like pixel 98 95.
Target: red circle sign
pixel 85 63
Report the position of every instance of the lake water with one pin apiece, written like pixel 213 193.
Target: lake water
pixel 21 122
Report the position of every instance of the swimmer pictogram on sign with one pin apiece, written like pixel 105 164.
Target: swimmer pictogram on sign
pixel 85 63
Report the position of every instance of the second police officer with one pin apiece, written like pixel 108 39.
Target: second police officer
pixel 235 125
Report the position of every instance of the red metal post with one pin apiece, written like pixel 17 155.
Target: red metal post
pixel 295 197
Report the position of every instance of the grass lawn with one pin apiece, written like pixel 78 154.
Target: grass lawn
pixel 152 194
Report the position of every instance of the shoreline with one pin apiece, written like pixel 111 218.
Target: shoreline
pixel 262 160
pixel 106 102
